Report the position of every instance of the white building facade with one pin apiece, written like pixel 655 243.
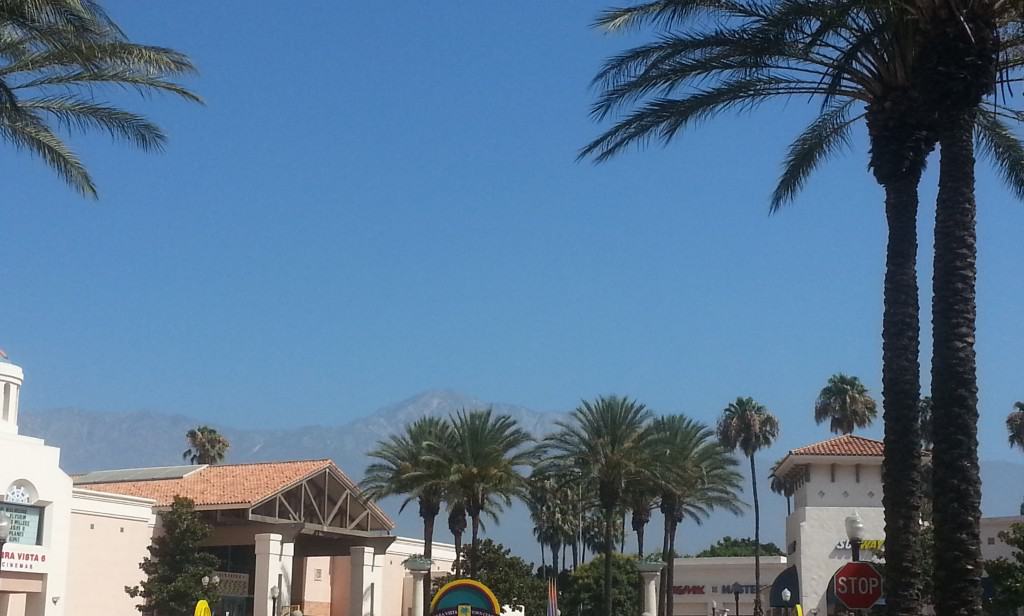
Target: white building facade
pixel 36 499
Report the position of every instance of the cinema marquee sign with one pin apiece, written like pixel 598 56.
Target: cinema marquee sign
pixel 26 524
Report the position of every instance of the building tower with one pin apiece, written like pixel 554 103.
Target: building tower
pixel 11 377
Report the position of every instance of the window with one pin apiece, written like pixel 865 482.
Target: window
pixel 832 469
pixel 318 575
pixel 991 540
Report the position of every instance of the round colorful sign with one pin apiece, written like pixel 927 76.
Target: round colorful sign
pixel 465 598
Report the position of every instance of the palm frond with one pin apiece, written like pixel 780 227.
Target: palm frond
pixel 27 131
pixel 74 113
pixel 997 142
pixel 822 139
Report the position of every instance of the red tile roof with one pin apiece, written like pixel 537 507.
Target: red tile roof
pixel 227 484
pixel 846 445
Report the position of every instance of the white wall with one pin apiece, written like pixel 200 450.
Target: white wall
pixel 700 583
pixel 110 534
pixel 832 492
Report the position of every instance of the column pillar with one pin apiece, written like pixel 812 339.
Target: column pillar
pixel 417 592
pixel 366 592
pixel 273 568
pixel 650 572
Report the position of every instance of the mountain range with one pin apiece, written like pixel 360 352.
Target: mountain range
pixel 96 440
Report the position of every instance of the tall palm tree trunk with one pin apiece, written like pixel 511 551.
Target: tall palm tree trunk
pixel 609 549
pixel 641 516
pixel 901 390
pixel 457 525
pixel 475 543
pixel 666 555
pixel 575 555
pixel 622 543
pixel 554 559
pixel 670 578
pixel 955 476
pixel 428 511
pixel 757 540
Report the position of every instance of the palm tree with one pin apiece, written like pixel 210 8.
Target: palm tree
pixel 783 486
pixel 750 427
pixel 1015 425
pixel 483 465
pixel 722 56
pixel 845 403
pixel 205 446
pixel 969 50
pixel 58 55
pixel 401 470
pixel 696 476
pixel 607 441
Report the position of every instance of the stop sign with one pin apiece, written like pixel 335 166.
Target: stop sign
pixel 858 585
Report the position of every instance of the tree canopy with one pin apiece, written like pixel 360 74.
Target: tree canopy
pixel 176 566
pixel 729 546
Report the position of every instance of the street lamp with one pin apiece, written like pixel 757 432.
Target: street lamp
pixel 855 533
pixel 786 596
pixel 714 608
pixel 275 592
pixel 736 596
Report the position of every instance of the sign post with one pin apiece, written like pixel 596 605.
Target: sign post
pixel 858 585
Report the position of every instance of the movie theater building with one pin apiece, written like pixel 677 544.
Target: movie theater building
pixel 37 508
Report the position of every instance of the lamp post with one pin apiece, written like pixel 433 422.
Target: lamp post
pixel 714 608
pixel 275 592
pixel 786 596
pixel 736 596
pixel 5 533
pixel 855 533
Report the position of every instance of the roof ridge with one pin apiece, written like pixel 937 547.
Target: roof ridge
pixel 302 461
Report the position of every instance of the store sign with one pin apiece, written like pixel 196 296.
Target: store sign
pixel 743 589
pixel 26 524
pixel 18 560
pixel 688 590
pixel 873 545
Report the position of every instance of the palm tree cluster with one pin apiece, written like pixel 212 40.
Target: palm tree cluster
pixel 919 73
pixel 56 57
pixel 471 463
pixel 610 459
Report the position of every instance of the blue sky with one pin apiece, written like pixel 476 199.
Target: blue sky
pixel 379 199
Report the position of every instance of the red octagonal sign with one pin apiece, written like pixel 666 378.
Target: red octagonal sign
pixel 858 585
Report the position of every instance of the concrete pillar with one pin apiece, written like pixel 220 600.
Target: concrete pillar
pixel 650 579
pixel 367 590
pixel 417 592
pixel 273 568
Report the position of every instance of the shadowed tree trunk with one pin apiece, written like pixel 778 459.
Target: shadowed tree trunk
pixel 475 544
pixel 666 555
pixel 901 390
pixel 757 540
pixel 609 549
pixel 457 525
pixel 955 475
pixel 428 511
pixel 641 516
pixel 575 555
pixel 670 579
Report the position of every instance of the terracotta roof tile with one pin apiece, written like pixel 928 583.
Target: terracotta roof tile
pixel 227 484
pixel 846 445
